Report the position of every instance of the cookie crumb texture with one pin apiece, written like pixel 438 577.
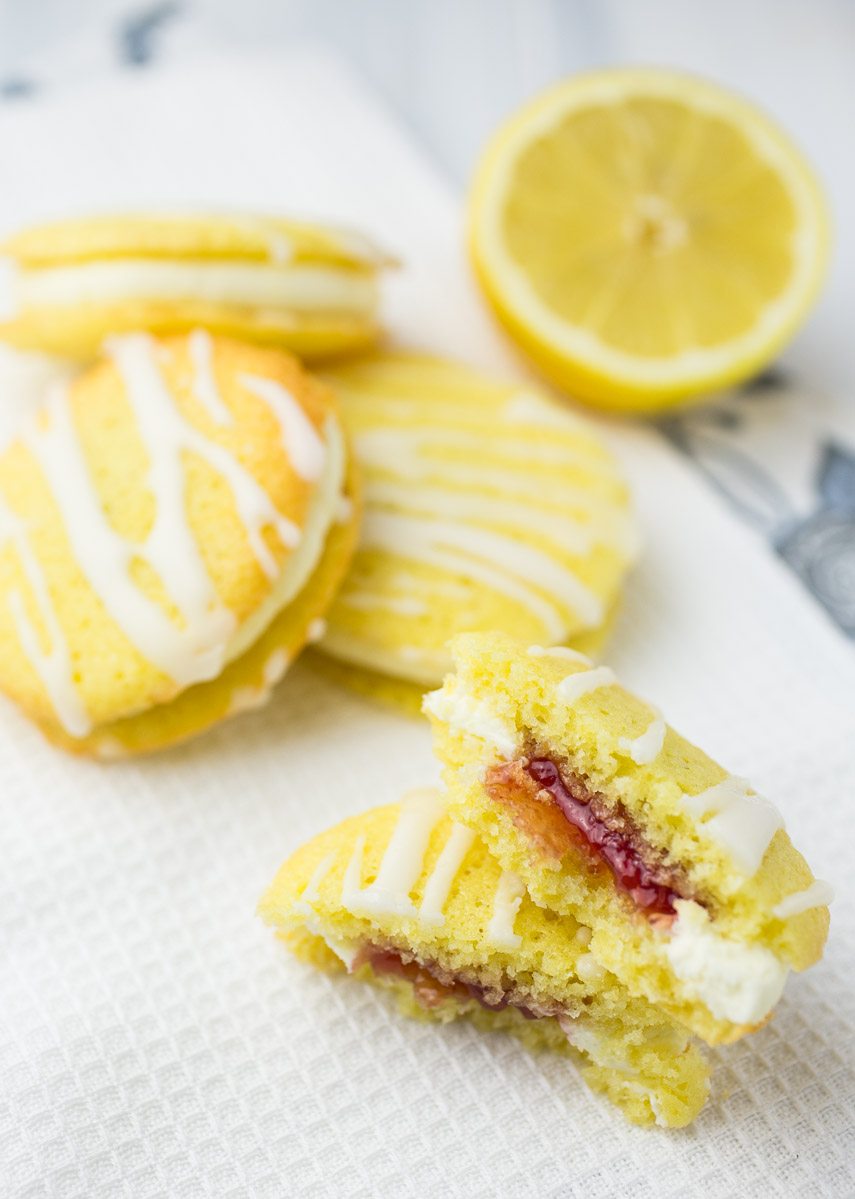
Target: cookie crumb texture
pixel 681 871
pixel 409 900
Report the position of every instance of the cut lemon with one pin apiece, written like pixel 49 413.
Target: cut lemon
pixel 646 236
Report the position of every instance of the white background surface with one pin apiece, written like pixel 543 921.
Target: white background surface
pixel 154 1039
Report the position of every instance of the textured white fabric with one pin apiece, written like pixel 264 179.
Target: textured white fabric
pixel 155 1040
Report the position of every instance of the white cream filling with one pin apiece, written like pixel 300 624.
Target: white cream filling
pixel 740 983
pixel 308 289
pixel 303 560
pixel 460 709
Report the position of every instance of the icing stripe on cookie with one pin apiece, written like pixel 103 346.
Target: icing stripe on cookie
pixel 584 681
pixel 300 439
pixel 194 652
pixel 310 892
pixel 410 449
pixel 204 383
pixel 509 896
pixel 645 748
pixel 53 666
pixel 434 541
pixel 818 894
pixel 441 880
pixel 572 535
pixel 742 822
pixel 401 865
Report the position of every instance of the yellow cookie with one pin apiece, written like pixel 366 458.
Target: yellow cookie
pixel 487 505
pixel 310 289
pixel 407 697
pixel 405 898
pixel 173 525
pixel 696 898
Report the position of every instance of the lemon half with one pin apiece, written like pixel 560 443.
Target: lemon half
pixel 646 236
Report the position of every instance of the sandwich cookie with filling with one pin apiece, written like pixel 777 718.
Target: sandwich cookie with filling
pixel 173 526
pixel 487 506
pixel 694 894
pixel 308 288
pixel 405 898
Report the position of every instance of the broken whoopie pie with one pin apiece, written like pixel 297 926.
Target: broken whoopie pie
pixel 694 894
pixel 412 901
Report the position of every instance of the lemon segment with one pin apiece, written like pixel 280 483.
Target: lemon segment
pixel 646 236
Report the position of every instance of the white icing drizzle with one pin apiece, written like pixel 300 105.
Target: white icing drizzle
pixel 818 894
pixel 579 684
pixel 400 605
pixel 345 949
pixel 187 655
pixel 558 651
pixel 166 433
pixel 404 456
pixel 352 882
pixel 439 883
pixel 490 556
pixel 310 893
pixel 275 667
pixel 303 444
pixel 740 821
pixel 645 748
pixel 53 666
pixel 500 479
pixel 400 869
pixel 246 699
pixel 204 383
pixel 407 448
pixel 572 535
pixel 195 651
pixel 316 630
pixel 401 865
pixel 473 714
pixel 509 896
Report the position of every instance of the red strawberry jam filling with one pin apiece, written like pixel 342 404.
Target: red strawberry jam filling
pixel 558 811
pixel 643 883
pixel 433 985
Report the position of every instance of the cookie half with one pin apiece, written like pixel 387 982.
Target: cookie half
pixel 311 289
pixel 695 896
pixel 487 506
pixel 173 525
pixel 406 898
